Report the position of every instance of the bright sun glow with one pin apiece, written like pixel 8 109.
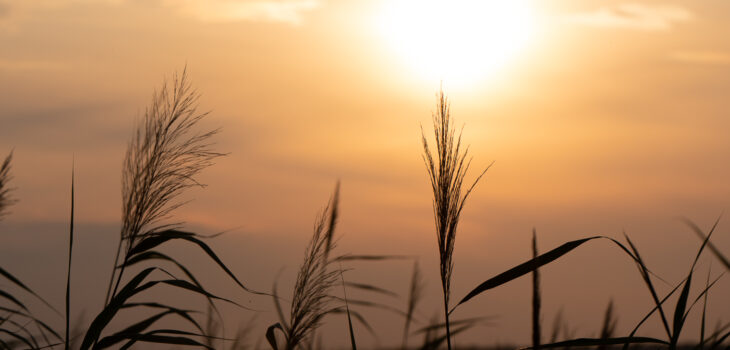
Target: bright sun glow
pixel 457 41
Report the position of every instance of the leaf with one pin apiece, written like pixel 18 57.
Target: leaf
pixel 106 315
pixel 679 316
pixel 17 282
pixel 529 266
pixel 347 309
pixel 164 339
pixel 601 341
pixel 271 336
pixel 371 288
pixel 164 236
pixel 711 246
pixel 467 321
pixel 349 257
pixel 68 272
pixel 647 280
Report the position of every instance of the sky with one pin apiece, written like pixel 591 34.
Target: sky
pixel 601 117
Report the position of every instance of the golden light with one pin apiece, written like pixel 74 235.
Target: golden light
pixel 457 41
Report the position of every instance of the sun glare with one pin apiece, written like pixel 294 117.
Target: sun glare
pixel 457 41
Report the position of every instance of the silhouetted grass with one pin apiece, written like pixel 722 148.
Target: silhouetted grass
pixel 447 170
pixel 535 296
pixel 18 325
pixel 312 299
pixel 415 292
pixel 5 177
pixel 164 158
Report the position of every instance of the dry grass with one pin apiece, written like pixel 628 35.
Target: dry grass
pixel 5 199
pixel 312 299
pixel 447 167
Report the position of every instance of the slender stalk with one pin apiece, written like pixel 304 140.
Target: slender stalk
pixel 536 302
pixel 447 168
pixel 446 314
pixel 70 254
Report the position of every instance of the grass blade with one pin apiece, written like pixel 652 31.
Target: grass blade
pixel 535 296
pixel 271 334
pixel 68 271
pixel 347 309
pixel 604 342
pixel 524 268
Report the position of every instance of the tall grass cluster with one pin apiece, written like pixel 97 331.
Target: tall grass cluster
pixel 165 157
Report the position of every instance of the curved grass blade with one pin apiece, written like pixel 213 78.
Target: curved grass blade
pixel 12 299
pixel 167 235
pixel 183 313
pixel 271 335
pixel 347 309
pixel 350 257
pixel 358 317
pixel 371 288
pixel 24 329
pixel 471 322
pixel 647 280
pixel 656 307
pixel 436 343
pixel 531 265
pixel 679 311
pixel 131 331
pixel 105 316
pixel 725 261
pixel 20 284
pixel 584 342
pixel 40 323
pixel 18 337
pixel 165 339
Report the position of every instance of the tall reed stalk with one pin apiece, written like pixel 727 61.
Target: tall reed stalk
pixel 162 160
pixel 446 170
pixel 536 300
pixel 311 300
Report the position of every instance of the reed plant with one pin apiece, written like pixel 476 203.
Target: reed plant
pixel 163 159
pixel 312 297
pixel 18 325
pixel 447 167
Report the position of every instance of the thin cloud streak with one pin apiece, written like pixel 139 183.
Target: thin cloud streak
pixel 278 11
pixel 633 16
pixel 701 57
pixel 290 12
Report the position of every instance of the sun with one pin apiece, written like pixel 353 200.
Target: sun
pixel 456 41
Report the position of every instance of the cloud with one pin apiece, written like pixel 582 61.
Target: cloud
pixel 701 57
pixel 287 11
pixel 10 65
pixel 633 16
pixel 281 11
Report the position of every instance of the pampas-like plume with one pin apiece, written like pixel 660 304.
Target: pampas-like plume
pixel 311 300
pixel 446 170
pixel 5 199
pixel 315 280
pixel 163 159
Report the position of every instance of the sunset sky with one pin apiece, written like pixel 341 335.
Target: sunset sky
pixel 600 117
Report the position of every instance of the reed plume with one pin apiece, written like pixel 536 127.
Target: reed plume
pixel 311 300
pixel 446 170
pixel 5 199
pixel 162 160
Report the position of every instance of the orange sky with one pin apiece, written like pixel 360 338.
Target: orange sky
pixel 613 116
